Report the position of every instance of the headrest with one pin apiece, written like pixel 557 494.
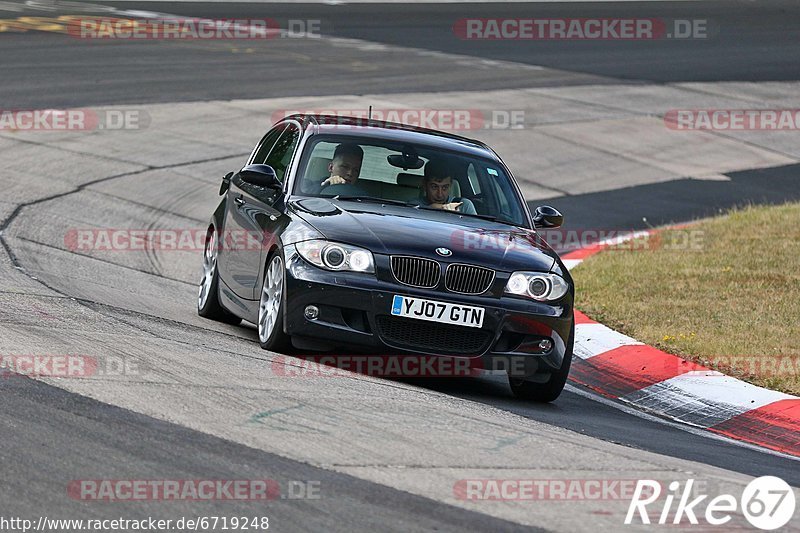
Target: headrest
pixel 407 179
pixel 317 168
pixel 455 189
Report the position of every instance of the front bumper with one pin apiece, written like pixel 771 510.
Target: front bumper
pixel 354 316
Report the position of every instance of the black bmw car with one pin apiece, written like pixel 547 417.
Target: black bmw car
pixel 358 235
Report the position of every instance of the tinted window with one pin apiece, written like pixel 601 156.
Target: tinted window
pixel 482 183
pixel 281 154
pixel 267 143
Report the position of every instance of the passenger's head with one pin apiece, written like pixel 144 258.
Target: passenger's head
pixel 346 162
pixel 437 181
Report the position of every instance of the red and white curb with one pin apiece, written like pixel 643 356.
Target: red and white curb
pixel 622 368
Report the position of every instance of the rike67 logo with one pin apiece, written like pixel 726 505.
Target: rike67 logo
pixel 767 502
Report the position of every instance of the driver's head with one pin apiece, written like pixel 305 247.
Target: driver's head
pixel 346 162
pixel 437 181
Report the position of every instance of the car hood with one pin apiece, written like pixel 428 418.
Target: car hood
pixel 400 230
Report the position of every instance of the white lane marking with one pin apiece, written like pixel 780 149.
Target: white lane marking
pixel 725 389
pixel 594 339
pixel 572 263
pixel 703 399
pixel 623 238
pixel 138 13
pixel 711 177
pixel 676 425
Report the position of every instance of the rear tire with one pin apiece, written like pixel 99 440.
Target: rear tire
pixel 208 305
pixel 550 390
pixel 271 306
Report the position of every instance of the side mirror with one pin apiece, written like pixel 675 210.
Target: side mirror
pixel 260 176
pixel 547 217
pixel 226 183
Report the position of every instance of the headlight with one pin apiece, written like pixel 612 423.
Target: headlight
pixel 537 285
pixel 335 256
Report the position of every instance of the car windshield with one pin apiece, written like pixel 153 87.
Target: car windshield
pixel 415 175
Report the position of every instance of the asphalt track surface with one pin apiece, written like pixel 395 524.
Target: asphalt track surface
pixel 753 41
pixel 51 436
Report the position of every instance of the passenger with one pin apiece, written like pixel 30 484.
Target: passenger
pixel 436 190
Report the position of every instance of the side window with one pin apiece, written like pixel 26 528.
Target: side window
pixel 281 155
pixel 267 143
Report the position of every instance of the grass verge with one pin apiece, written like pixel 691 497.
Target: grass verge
pixel 724 292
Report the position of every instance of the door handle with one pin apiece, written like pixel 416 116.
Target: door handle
pixel 239 200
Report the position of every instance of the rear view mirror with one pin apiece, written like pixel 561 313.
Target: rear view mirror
pixel 546 217
pixel 260 176
pixel 408 159
pixel 405 162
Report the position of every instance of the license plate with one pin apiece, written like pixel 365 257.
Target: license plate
pixel 444 313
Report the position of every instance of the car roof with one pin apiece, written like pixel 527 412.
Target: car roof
pixel 392 131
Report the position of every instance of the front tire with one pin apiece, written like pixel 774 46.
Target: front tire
pixel 550 390
pixel 208 305
pixel 271 306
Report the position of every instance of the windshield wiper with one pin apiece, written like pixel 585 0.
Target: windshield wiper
pixel 485 217
pixel 374 199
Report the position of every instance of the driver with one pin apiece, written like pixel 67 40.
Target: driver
pixel 345 166
pixel 436 185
